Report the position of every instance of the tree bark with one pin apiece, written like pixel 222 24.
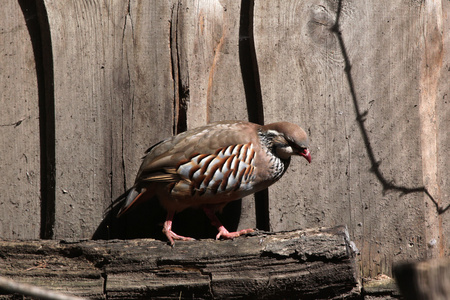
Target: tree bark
pixel 307 264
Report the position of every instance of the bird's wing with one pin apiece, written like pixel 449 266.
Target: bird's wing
pixel 162 160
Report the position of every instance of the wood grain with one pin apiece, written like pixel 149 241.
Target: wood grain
pixel 113 99
pixel 312 264
pixel 19 127
pixel 360 107
pixel 443 136
pixel 209 85
pixel 372 93
pixel 430 76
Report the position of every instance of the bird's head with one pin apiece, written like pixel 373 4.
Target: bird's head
pixel 288 139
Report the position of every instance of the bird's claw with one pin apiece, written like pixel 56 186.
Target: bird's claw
pixel 172 236
pixel 225 234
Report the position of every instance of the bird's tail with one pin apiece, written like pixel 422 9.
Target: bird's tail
pixel 133 198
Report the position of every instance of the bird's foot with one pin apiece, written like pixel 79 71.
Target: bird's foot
pixel 225 234
pixel 172 236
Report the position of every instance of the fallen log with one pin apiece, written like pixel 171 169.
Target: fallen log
pixel 308 264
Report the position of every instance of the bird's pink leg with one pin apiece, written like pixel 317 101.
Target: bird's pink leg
pixel 223 232
pixel 167 230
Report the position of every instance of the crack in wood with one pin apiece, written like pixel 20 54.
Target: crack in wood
pixel 180 89
pixel 15 124
pixel 105 284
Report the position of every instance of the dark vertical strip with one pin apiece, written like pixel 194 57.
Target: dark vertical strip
pixel 47 126
pixel 183 84
pixel 174 65
pixel 253 95
pixel 39 29
pixel 181 90
pixel 249 64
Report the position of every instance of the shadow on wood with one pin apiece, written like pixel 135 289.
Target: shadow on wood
pixel 147 219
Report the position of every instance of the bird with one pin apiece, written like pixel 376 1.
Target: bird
pixel 209 166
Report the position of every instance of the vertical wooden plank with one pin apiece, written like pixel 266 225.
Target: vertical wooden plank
pixel 113 98
pixel 19 127
pixel 148 113
pixel 81 116
pixel 294 57
pixel 389 177
pixel 205 47
pixel 147 82
pixel 430 76
pixel 443 134
pixel 304 80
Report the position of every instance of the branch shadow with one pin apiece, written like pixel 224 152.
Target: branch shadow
pixel 361 118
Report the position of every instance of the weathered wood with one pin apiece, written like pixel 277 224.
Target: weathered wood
pixel 142 68
pixel 113 99
pixel 310 264
pixel 434 117
pixel 19 126
pixel 129 73
pixel 205 39
pixel 359 99
pixel 208 82
pixel 443 136
pixel 424 280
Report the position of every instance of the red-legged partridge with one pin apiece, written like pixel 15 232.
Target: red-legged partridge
pixel 209 166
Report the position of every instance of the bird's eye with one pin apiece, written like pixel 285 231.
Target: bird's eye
pixel 296 146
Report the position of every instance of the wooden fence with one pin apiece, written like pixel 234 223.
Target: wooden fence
pixel 88 86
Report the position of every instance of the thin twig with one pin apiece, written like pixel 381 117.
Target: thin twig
pixel 12 286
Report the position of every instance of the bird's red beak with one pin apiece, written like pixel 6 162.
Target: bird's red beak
pixel 306 154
